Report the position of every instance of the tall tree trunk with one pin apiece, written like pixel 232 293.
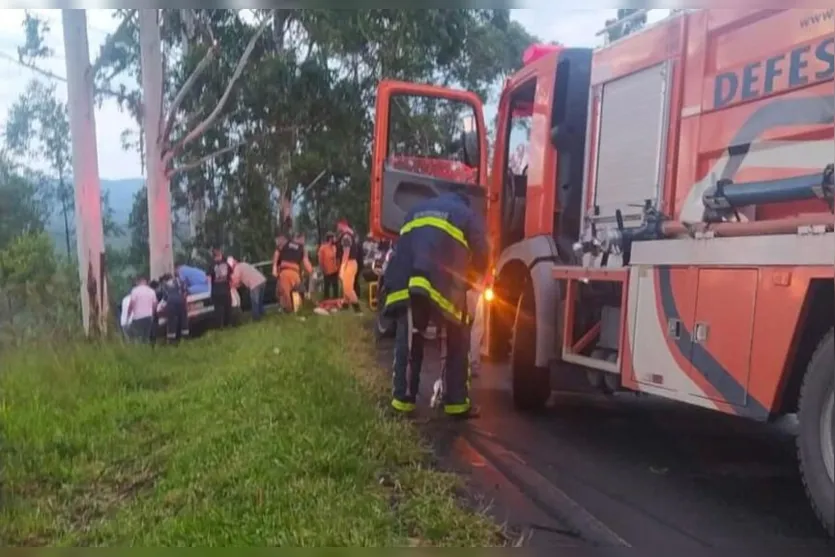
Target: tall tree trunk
pixel 89 229
pixel 65 210
pixel 160 233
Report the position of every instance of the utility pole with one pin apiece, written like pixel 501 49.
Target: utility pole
pixel 160 233
pixel 88 217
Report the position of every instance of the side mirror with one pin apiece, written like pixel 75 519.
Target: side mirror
pixel 469 140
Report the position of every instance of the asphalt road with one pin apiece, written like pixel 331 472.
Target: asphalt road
pixel 626 471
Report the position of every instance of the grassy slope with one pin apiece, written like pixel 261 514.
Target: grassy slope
pixel 259 435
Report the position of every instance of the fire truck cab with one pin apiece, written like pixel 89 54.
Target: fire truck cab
pixel 671 230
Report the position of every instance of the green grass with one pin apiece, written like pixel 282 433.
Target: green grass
pixel 269 434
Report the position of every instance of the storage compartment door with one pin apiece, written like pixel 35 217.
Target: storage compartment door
pixel 632 136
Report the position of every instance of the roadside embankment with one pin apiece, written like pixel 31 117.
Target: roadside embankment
pixel 268 434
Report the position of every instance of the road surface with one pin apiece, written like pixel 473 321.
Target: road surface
pixel 626 471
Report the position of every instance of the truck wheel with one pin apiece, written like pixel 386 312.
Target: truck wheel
pixel 814 442
pixel 531 384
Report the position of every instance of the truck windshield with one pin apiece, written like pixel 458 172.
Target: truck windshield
pixel 425 137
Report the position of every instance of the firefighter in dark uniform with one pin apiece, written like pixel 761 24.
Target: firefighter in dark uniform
pixel 175 294
pixel 442 250
pixel 292 258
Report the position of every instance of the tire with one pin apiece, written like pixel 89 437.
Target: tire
pixel 817 397
pixel 531 384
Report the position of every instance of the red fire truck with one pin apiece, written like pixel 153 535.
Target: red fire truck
pixel 672 231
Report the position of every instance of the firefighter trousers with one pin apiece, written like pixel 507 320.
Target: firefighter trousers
pixel 408 362
pixel 288 280
pixel 408 359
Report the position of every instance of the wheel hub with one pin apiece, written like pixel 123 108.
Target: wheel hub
pixel 827 448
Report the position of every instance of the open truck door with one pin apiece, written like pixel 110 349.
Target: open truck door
pixel 427 141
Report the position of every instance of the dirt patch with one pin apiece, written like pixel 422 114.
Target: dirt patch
pixel 100 498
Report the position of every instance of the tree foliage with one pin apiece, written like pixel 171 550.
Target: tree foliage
pixel 38 131
pixel 38 128
pixel 304 104
pixel 23 206
pixel 38 292
pixel 138 225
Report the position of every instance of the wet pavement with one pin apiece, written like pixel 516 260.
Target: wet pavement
pixel 626 471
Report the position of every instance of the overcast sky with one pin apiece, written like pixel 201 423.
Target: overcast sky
pixel 569 26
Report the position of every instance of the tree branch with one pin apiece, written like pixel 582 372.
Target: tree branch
pixel 109 41
pixel 192 165
pixel 194 117
pixel 203 160
pixel 186 88
pixel 296 198
pixel 201 128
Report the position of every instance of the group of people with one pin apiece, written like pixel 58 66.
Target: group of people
pixel 141 308
pixel 340 258
pixel 168 297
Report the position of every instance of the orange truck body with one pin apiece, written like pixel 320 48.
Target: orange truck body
pixel 721 307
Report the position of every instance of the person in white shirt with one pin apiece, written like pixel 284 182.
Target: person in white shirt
pixel 142 311
pixel 124 319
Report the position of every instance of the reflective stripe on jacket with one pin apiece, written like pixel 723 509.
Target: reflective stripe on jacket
pixel 441 241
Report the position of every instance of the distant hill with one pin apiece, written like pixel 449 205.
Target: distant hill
pixel 121 194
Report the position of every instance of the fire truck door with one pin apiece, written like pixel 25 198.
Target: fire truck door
pixel 427 140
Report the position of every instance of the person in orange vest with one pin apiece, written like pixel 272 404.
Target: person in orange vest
pixel 348 253
pixel 329 266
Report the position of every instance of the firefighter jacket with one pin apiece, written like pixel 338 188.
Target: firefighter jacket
pixel 441 245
